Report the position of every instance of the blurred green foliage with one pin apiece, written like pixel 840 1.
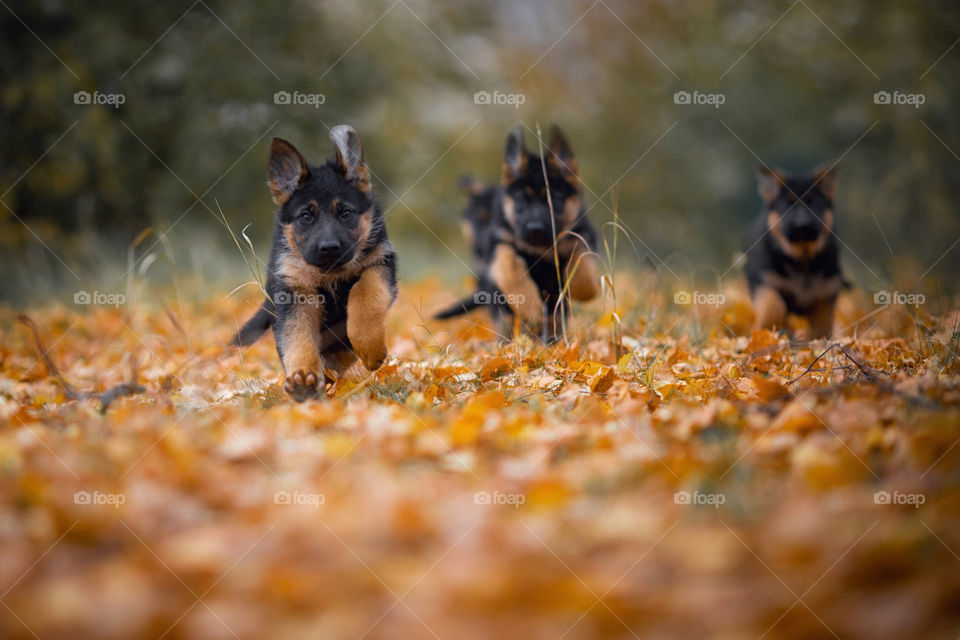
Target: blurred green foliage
pixel 199 79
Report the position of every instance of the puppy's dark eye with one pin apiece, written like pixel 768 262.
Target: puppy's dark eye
pixel 344 211
pixel 306 214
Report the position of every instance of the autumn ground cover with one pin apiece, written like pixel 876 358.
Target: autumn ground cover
pixel 663 473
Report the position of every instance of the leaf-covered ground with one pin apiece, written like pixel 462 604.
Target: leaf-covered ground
pixel 663 474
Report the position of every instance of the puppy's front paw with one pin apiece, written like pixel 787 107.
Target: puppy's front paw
pixel 301 385
pixel 373 356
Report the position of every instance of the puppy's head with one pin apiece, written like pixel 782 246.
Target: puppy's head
pixel 479 210
pixel 799 209
pixel 526 205
pixel 326 211
pixel 479 200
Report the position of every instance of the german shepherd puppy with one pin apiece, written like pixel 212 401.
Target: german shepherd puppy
pixel 477 226
pixel 332 273
pixel 477 218
pixel 534 218
pixel 793 265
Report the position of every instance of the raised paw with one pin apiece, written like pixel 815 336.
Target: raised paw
pixel 301 385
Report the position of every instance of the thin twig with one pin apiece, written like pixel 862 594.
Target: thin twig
pixel 864 369
pixel 107 397
pixel 47 361
pixel 815 360
pixel 870 374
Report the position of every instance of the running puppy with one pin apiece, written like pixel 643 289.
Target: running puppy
pixel 538 228
pixel 332 273
pixel 478 230
pixel 793 265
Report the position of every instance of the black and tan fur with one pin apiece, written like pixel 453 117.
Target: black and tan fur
pixel 793 264
pixel 478 228
pixel 517 269
pixel 332 271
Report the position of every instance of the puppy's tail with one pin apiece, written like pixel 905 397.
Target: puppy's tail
pixel 254 327
pixel 459 308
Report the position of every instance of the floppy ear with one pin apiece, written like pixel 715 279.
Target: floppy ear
pixel 826 178
pixel 769 182
pixel 286 169
pixel 515 155
pixel 561 155
pixel 350 156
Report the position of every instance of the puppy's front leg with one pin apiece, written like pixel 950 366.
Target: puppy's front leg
pixel 584 281
pixel 769 309
pixel 367 306
pixel 509 272
pixel 298 341
pixel 821 319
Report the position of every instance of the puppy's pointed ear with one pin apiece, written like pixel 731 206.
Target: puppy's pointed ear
pixel 561 154
pixel 826 178
pixel 346 141
pixel 515 155
pixel 769 182
pixel 286 169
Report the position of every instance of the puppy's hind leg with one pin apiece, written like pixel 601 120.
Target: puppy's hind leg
pixel 337 362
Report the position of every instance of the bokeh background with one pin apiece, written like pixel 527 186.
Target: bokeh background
pixel 92 193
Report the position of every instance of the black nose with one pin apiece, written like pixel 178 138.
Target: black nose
pixel 329 246
pixel 806 232
pixel 324 254
pixel 536 233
